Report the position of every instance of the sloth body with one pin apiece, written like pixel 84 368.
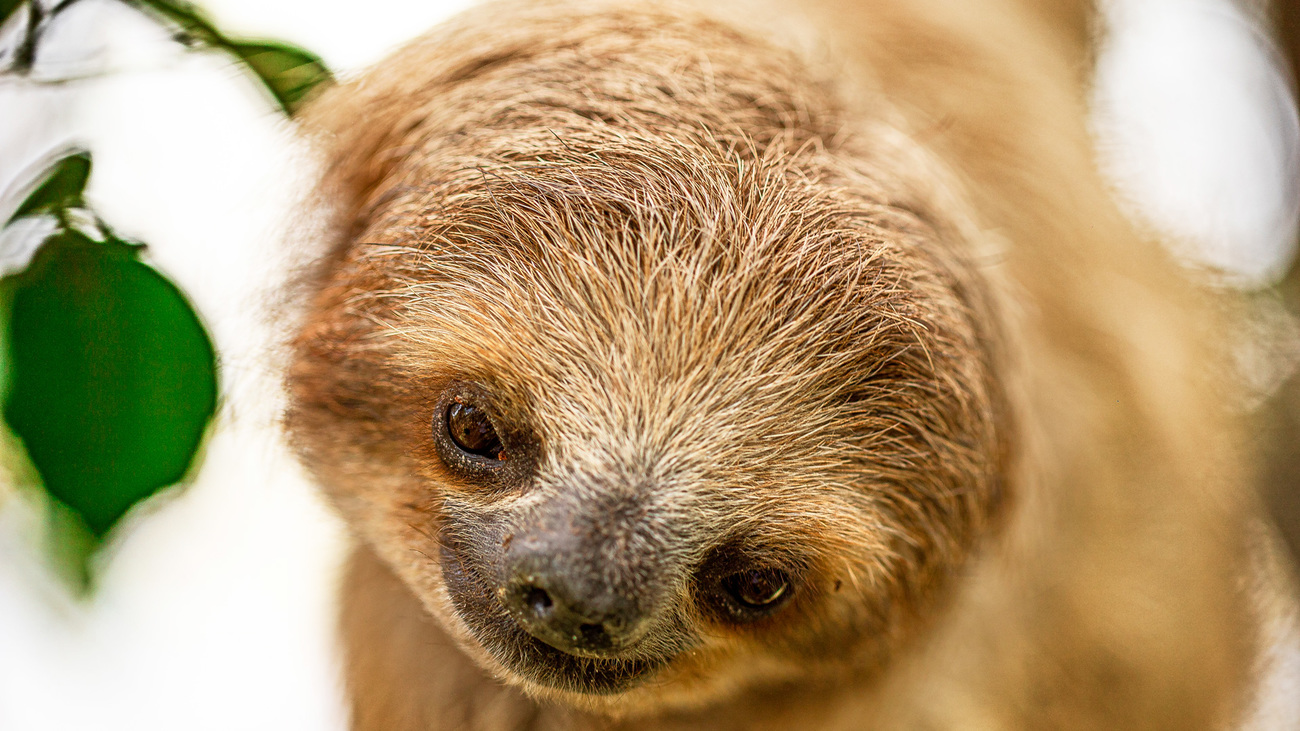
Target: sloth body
pixel 667 384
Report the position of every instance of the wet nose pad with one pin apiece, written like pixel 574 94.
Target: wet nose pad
pixel 548 608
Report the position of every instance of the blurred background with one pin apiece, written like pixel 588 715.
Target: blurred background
pixel 212 605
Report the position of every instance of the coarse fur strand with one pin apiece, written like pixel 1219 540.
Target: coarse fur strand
pixel 865 311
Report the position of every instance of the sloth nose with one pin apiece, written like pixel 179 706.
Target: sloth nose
pixel 558 613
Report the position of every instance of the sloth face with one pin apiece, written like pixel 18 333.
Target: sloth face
pixel 589 580
pixel 647 412
pixel 626 451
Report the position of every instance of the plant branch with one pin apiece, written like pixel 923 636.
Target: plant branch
pixel 25 56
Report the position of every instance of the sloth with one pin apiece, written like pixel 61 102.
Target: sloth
pixel 732 368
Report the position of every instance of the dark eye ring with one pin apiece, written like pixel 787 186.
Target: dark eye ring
pixel 478 441
pixel 758 589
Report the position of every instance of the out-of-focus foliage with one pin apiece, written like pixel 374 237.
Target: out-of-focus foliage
pixel 107 375
pixel 61 190
pixel 110 378
pixel 288 72
pixel 7 8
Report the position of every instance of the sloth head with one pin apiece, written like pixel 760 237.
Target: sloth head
pixel 641 389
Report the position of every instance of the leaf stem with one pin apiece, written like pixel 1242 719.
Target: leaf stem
pixel 25 56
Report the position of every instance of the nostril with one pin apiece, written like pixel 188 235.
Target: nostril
pixel 538 601
pixel 593 635
pixel 542 606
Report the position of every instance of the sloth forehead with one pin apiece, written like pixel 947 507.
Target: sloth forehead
pixel 621 229
pixel 569 265
pixel 664 255
pixel 774 319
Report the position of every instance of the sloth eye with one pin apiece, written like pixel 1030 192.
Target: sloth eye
pixel 474 440
pixel 471 430
pixel 757 588
pixel 738 588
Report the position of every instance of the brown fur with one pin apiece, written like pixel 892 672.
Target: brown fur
pixel 893 332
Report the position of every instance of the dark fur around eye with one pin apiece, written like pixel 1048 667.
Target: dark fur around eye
pixel 739 589
pixel 473 441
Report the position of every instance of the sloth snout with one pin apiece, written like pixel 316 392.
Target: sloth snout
pixel 558 610
pixel 589 571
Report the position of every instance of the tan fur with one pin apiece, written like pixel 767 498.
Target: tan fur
pixel 874 310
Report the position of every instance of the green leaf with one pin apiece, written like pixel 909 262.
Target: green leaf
pixel 192 22
pixel 71 545
pixel 290 73
pixel 112 379
pixel 7 8
pixel 62 189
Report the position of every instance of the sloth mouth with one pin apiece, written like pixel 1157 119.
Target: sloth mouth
pixel 521 653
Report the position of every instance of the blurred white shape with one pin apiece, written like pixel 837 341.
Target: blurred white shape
pixel 347 37
pixel 213 613
pixel 20 240
pixel 1198 128
pixel 100 37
